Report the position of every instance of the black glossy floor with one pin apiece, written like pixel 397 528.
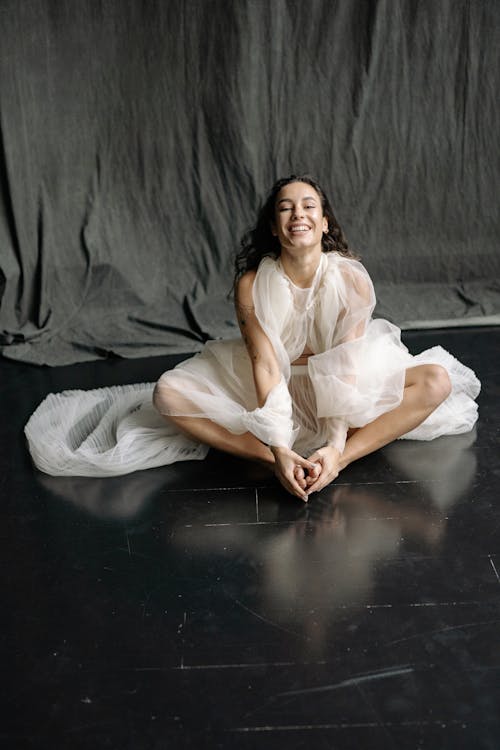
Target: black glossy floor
pixel 199 606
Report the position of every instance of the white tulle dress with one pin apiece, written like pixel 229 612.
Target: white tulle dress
pixel 355 374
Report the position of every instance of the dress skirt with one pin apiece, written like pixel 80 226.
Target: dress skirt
pixel 118 430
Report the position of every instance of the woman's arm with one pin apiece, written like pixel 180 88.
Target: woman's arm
pixel 265 368
pixel 267 375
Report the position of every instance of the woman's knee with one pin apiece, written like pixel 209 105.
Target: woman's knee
pixel 165 396
pixel 159 400
pixel 436 384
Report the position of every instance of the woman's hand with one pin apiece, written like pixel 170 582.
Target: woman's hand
pixel 328 459
pixel 286 465
pixel 306 479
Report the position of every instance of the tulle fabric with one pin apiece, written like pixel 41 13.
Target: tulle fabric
pixel 356 372
pixel 218 384
pixel 105 432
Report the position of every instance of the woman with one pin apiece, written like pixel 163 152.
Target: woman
pixel 314 383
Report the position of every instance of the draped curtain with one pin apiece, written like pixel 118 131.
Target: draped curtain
pixel 138 138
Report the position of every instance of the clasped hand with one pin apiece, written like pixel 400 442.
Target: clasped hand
pixel 303 476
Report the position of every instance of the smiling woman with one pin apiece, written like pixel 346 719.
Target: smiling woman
pixel 300 222
pixel 312 384
pixel 263 240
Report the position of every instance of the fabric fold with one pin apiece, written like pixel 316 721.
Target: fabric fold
pixel 272 423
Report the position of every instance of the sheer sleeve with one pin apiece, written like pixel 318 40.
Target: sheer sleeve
pixel 357 301
pixel 272 423
pixel 336 434
pixel 359 374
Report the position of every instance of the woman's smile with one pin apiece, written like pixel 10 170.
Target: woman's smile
pixel 299 228
pixel 299 217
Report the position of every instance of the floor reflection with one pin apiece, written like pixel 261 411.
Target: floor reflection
pixel 109 498
pixel 317 567
pixel 330 558
pixel 448 464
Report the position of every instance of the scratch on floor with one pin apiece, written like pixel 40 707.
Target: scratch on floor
pixel 182 625
pixel 444 604
pixel 494 567
pixel 245 523
pixel 380 674
pixel 387 605
pixel 128 544
pixel 207 489
pixel 182 630
pixel 442 724
pixel 246 665
pixel 267 621
pixel 442 630
pixel 390 482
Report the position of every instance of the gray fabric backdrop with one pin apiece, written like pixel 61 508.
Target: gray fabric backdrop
pixel 138 137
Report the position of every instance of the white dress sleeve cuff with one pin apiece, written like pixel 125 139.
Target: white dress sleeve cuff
pixel 272 423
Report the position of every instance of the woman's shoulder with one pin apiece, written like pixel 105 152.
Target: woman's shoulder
pixel 351 273
pixel 247 278
pixel 244 287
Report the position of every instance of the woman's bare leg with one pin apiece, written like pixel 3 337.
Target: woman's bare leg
pixel 168 397
pixel 426 386
pixel 212 434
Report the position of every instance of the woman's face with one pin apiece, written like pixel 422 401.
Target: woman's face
pixel 299 222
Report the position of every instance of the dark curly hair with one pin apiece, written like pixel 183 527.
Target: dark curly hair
pixel 260 241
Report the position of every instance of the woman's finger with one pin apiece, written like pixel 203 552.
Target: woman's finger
pixel 316 471
pixel 299 491
pixel 313 475
pixel 295 488
pixel 315 457
pixel 325 477
pixel 322 482
pixel 305 463
pixel 300 477
pixel 287 480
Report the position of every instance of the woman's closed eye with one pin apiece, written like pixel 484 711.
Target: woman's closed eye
pixel 289 208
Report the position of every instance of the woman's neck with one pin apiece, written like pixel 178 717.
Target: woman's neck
pixel 301 269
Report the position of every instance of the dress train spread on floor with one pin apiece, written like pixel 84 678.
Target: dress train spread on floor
pixel 356 373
